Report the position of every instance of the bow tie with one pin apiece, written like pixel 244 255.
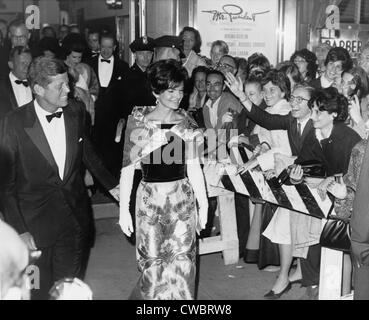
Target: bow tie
pixel 25 82
pixel 54 115
pixel 105 60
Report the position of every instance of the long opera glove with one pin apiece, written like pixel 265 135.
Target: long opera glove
pixel 196 178
pixel 126 183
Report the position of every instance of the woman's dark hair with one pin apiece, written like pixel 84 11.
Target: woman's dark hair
pixel 255 79
pixel 258 61
pixel 311 60
pixel 330 100
pixel 361 81
pixel 289 67
pixel 198 41
pixel 199 69
pixel 166 74
pixel 280 80
pixel 73 42
pixel 339 54
pixel 48 44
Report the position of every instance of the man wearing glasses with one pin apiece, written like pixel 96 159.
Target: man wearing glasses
pixel 19 36
pixel 227 64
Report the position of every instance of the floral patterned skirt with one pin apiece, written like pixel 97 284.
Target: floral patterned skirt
pixel 166 220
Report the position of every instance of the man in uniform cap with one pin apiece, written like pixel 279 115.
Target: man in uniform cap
pixel 139 93
pixel 168 47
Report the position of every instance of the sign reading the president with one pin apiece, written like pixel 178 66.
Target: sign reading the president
pixel 247 26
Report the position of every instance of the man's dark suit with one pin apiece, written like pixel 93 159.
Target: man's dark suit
pixel 4 58
pixel 7 97
pixel 282 122
pixel 37 200
pixel 108 108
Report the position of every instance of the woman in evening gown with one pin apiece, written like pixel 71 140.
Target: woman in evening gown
pixel 161 141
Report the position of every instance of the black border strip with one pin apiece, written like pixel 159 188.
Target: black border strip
pixel 310 203
pixel 280 195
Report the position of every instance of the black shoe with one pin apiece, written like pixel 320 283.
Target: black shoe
pixel 271 295
pixel 251 256
pixel 296 281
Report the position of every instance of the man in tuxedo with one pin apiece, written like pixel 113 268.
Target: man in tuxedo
pixel 43 146
pixel 14 88
pixel 19 36
pixel 111 72
pixel 93 41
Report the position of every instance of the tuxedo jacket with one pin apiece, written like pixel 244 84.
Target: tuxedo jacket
pixel 7 97
pixel 282 122
pixel 111 103
pixel 120 72
pixel 35 198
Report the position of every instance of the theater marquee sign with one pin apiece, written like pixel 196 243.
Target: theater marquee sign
pixel 247 26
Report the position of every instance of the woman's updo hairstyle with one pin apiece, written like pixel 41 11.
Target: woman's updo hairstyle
pixel 166 74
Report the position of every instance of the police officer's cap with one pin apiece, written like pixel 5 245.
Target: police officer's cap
pixel 142 44
pixel 168 42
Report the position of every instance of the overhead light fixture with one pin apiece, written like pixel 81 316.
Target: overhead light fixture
pixel 114 4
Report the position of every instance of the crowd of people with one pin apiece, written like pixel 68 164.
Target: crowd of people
pixel 70 107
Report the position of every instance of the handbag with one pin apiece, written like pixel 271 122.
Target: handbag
pixel 336 234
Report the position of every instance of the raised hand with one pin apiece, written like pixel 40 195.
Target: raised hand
pixel 235 85
pixel 355 110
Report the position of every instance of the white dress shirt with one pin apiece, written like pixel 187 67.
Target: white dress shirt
pixel 213 111
pixel 303 123
pixel 55 135
pixel 23 94
pixel 105 71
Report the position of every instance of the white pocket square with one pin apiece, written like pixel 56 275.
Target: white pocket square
pixel 80 139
